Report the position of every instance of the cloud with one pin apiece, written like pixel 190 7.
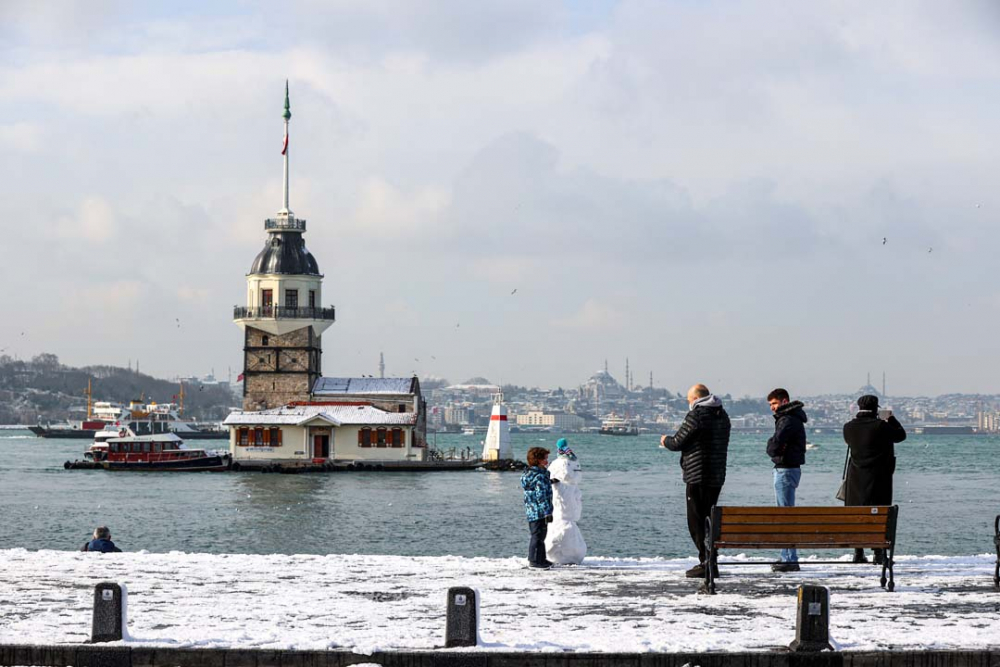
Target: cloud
pixel 94 221
pixel 592 315
pixel 384 212
pixel 21 137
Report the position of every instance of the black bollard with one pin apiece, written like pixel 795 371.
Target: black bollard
pixel 109 613
pixel 463 617
pixel 812 623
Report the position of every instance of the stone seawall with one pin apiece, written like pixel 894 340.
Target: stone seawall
pixel 125 656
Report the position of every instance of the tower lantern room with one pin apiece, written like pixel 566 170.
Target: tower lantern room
pixel 284 319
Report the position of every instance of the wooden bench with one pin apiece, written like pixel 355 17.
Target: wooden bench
pixel 864 527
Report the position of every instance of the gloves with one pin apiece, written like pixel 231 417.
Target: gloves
pixel 548 518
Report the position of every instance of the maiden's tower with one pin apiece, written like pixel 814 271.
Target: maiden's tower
pixel 292 416
pixel 283 320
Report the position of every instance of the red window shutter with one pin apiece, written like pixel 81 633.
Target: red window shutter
pixel 267 436
pixel 279 437
pixel 361 437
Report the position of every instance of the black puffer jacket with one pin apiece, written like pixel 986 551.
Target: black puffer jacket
pixel 787 447
pixel 703 440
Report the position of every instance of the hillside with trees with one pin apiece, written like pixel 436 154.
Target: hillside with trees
pixel 45 390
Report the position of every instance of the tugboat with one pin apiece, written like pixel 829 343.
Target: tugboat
pixel 125 450
pixel 613 425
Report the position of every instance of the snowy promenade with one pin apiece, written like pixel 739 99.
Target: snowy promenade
pixel 367 603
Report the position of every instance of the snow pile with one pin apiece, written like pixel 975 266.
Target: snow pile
pixel 393 602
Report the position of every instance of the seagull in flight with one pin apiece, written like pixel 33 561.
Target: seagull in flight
pixel 884 240
pixel 930 250
pixel 514 292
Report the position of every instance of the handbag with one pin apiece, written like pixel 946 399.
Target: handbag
pixel 842 489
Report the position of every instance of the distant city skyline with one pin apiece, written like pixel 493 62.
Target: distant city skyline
pixel 740 194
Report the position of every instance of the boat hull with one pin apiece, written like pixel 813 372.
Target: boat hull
pixel 610 432
pixel 203 464
pixel 63 433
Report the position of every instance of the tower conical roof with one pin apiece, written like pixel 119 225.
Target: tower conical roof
pixel 285 253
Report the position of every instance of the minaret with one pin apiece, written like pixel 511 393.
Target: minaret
pixel 381 365
pixel 284 319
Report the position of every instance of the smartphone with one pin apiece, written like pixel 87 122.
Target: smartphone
pixel 885 413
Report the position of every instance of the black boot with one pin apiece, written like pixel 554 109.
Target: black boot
pixel 879 556
pixel 859 556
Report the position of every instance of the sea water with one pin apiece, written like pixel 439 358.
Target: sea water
pixel 633 496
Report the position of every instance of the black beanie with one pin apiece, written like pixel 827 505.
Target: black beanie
pixel 868 402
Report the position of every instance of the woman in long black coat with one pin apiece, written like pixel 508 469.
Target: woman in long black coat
pixel 873 458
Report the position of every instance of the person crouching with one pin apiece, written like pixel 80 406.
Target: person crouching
pixel 101 542
pixel 537 504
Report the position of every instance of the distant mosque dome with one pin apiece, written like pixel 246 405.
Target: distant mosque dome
pixel 285 254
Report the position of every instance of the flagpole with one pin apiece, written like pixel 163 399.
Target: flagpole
pixel 287 115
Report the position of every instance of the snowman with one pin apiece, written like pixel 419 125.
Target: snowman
pixel 564 542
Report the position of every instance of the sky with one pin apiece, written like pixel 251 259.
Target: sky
pixel 746 194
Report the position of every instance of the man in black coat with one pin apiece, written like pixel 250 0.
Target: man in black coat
pixel 873 459
pixel 703 440
pixel 787 449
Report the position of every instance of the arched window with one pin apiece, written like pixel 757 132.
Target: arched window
pixel 365 437
pixel 381 438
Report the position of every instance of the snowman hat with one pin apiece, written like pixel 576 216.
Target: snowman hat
pixel 563 448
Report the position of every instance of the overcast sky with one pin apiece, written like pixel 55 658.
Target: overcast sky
pixel 702 187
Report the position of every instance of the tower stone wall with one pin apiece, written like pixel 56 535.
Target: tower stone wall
pixel 279 369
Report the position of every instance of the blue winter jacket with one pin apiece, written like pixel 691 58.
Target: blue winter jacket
pixel 537 493
pixel 102 545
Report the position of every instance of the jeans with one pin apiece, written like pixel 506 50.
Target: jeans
pixel 786 480
pixel 536 546
pixel 700 499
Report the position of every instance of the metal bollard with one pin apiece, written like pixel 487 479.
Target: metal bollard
pixel 812 623
pixel 462 627
pixel 109 612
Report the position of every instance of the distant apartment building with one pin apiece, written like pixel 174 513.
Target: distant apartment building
pixel 988 422
pixel 458 415
pixel 557 420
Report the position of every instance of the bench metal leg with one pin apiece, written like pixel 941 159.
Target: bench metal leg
pixel 710 550
pixel 996 541
pixel 887 564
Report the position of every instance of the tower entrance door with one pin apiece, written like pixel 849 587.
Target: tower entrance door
pixel 321 445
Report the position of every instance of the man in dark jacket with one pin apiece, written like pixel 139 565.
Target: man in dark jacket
pixel 873 459
pixel 703 441
pixel 101 542
pixel 787 449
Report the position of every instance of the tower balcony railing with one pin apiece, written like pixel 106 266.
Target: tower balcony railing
pixel 284 313
pixel 291 224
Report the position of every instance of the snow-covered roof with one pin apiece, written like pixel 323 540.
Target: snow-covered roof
pixel 339 386
pixel 336 415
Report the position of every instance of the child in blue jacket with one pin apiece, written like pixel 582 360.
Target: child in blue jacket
pixel 537 504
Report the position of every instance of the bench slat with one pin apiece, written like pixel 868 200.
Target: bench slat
pixel 852 544
pixel 728 510
pixel 801 538
pixel 751 519
pixel 820 528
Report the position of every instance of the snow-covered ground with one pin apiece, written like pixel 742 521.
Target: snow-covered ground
pixel 394 602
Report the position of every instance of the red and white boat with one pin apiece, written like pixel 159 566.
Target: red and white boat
pixel 125 450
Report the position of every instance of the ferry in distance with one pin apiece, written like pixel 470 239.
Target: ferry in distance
pixel 612 425
pixel 142 418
